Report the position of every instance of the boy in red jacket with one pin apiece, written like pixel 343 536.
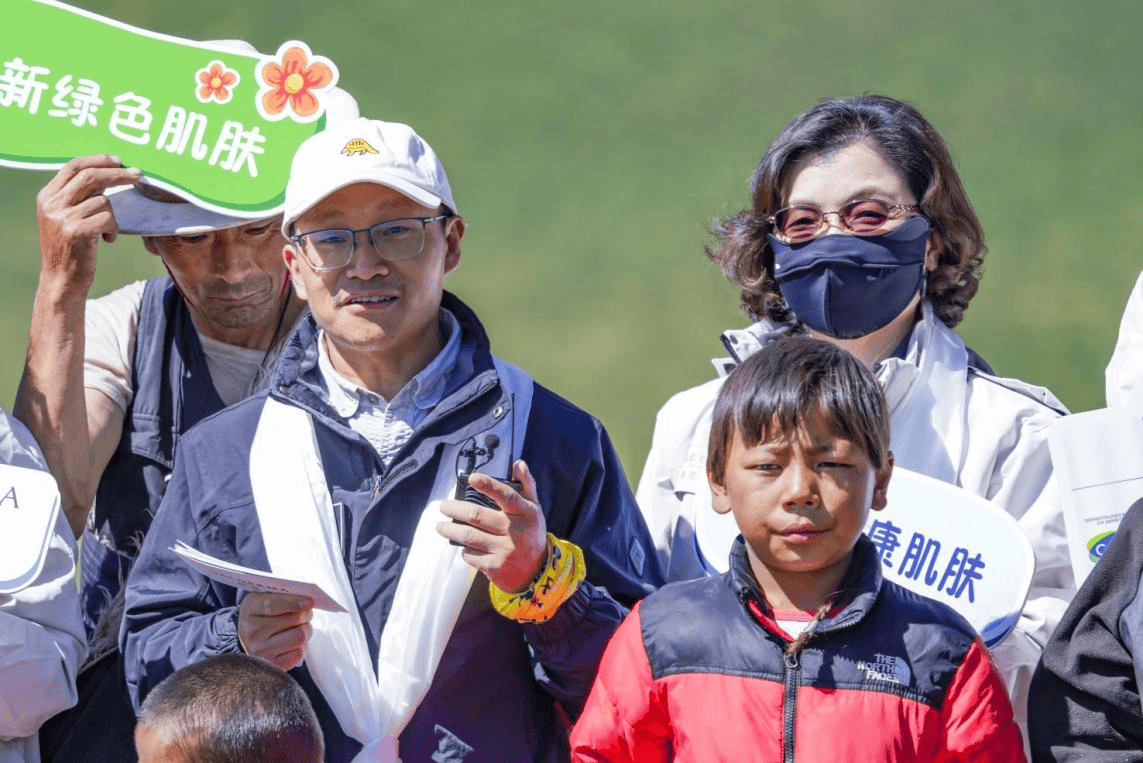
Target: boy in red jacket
pixel 801 650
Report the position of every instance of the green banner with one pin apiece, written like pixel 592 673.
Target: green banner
pixel 215 121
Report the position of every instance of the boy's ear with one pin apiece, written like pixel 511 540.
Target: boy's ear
pixel 881 484
pixel 718 492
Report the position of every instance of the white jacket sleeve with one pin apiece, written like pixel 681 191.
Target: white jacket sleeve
pixel 656 500
pixel 1024 484
pixel 1126 365
pixel 42 640
pixel 673 486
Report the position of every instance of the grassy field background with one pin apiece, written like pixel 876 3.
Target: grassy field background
pixel 589 144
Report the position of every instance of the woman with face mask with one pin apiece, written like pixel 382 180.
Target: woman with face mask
pixel 861 234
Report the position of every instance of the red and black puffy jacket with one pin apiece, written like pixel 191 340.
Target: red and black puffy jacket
pixel 697 672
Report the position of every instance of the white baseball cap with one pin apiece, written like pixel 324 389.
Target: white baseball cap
pixel 365 151
pixel 138 210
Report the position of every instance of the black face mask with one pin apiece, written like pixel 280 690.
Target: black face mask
pixel 850 286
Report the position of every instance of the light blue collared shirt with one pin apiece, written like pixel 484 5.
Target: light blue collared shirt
pixel 388 425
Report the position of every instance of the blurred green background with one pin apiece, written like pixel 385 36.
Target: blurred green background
pixel 589 144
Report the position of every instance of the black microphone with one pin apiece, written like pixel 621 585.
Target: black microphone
pixel 469 493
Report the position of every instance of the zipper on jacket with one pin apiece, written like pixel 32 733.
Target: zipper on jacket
pixel 789 706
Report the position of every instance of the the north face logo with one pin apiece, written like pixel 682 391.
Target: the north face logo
pixel 449 747
pixel 887 668
pixel 357 147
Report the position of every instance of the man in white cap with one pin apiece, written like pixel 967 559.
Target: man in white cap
pixel 111 384
pixel 362 468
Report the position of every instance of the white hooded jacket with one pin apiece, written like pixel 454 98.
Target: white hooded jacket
pixel 948 420
pixel 1125 368
pixel 41 635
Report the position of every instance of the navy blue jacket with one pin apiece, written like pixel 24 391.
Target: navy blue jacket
pixel 492 695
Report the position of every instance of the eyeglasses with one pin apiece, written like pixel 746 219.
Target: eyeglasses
pixel 862 217
pixel 333 248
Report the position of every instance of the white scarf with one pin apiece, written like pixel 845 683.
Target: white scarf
pixel 372 703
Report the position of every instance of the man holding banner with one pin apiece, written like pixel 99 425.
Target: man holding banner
pixel 111 384
pixel 386 410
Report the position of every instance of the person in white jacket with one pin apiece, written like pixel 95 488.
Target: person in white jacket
pixel 1125 368
pixel 861 234
pixel 41 634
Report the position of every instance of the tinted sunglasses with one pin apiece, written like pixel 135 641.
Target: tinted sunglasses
pixel 862 217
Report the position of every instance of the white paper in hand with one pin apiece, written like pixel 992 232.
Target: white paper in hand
pixel 252 580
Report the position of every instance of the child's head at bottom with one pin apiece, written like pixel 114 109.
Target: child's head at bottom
pixel 228 709
pixel 799 452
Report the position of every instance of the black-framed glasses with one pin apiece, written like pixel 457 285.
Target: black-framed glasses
pixel 332 248
pixel 863 217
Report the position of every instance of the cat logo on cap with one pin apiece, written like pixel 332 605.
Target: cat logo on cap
pixel 357 147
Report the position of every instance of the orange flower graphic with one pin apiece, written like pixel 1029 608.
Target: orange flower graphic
pixel 216 82
pixel 292 81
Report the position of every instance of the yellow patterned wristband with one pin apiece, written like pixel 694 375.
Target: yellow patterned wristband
pixel 558 580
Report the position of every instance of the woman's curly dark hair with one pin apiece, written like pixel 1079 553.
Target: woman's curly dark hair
pixel 912 146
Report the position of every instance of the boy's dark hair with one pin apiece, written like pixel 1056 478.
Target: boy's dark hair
pixel 787 381
pixel 234 708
